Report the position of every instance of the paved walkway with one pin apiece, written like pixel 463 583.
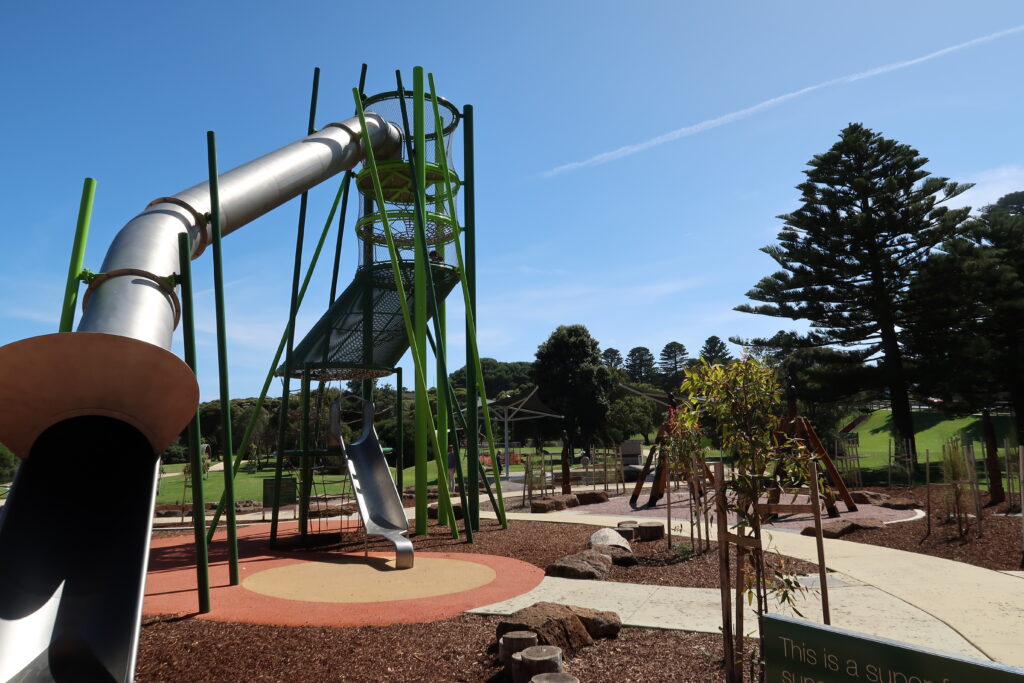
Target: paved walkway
pixel 909 597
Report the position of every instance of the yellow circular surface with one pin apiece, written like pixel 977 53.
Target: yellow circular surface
pixel 374 579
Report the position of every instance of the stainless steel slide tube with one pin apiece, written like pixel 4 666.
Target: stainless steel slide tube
pixel 133 305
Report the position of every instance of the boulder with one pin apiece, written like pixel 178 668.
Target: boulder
pixel 631 473
pixel 868 497
pixel 835 529
pixel 869 523
pixel 608 537
pixel 599 623
pixel 588 564
pixel 568 501
pixel 542 505
pixel 620 556
pixel 900 504
pixel 592 497
pixel 432 510
pixel 554 625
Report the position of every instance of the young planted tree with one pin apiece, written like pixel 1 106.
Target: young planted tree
pixel 671 362
pixel 870 215
pixel 640 365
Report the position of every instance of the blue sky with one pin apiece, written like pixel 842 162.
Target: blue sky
pixel 631 157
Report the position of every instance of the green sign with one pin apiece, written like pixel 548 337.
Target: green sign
pixel 288 496
pixel 797 651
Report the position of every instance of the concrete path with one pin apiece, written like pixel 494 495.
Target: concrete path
pixel 904 596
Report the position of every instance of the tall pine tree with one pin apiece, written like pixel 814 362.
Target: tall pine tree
pixel 715 352
pixel 870 216
pixel 640 365
pixel 671 362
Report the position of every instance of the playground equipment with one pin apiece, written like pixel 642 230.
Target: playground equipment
pixel 380 504
pixel 113 394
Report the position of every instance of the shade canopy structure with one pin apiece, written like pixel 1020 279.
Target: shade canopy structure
pixel 525 405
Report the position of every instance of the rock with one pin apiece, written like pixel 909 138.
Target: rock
pixel 432 510
pixel 608 537
pixel 541 505
pixel 835 529
pixel 592 497
pixel 599 623
pixel 900 504
pixel 650 531
pixel 568 501
pixel 588 564
pixel 620 556
pixel 554 625
pixel 869 523
pixel 868 497
pixel 631 473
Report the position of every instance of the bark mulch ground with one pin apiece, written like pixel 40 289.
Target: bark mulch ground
pixel 998 547
pixel 458 649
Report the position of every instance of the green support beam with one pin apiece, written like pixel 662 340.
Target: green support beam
pixel 222 360
pixel 188 328
pixel 67 315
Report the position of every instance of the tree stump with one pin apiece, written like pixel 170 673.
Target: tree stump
pixel 627 532
pixel 539 659
pixel 554 678
pixel 513 642
pixel 651 531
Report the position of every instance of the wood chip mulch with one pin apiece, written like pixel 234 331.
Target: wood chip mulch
pixel 459 649
pixel 999 546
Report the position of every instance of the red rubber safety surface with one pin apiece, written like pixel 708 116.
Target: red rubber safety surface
pixel 171 583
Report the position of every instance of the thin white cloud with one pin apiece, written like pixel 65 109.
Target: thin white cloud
pixel 989 185
pixel 34 315
pixel 708 124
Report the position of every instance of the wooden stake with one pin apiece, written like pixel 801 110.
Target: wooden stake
pixel 723 573
pixel 822 578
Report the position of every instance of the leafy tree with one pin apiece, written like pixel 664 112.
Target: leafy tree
pixel 640 365
pixel 870 215
pixel 8 464
pixel 715 352
pixel 498 376
pixel 630 414
pixel 965 328
pixel 573 381
pixel 671 363
pixel 612 358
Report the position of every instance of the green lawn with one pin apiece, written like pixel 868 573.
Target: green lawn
pixel 931 429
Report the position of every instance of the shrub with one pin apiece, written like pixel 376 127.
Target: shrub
pixel 8 464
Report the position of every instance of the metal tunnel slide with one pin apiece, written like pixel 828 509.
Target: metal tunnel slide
pixel 379 502
pixel 88 412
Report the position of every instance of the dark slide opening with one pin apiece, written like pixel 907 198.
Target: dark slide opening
pixel 79 514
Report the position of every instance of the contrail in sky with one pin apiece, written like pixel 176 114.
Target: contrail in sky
pixel 687 131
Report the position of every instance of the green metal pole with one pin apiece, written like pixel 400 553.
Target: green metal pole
pixel 473 427
pixel 67 316
pixel 222 361
pixel 293 310
pixel 396 274
pixel 471 328
pixel 400 430
pixel 306 462
pixel 194 442
pixel 247 437
pixel 420 313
